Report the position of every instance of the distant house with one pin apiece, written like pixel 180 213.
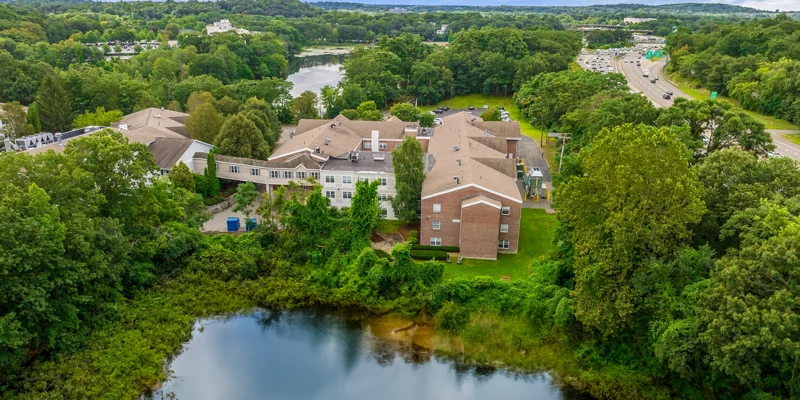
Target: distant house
pixel 224 25
pixel 442 30
pixel 398 10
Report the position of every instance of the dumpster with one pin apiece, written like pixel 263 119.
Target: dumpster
pixel 233 224
pixel 249 224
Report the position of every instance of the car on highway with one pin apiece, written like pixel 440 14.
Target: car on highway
pixel 666 96
pixel 653 80
pixel 670 93
pixel 471 107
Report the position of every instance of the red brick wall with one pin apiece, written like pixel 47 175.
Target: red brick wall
pixel 512 147
pixel 480 227
pixel 450 231
pixel 390 145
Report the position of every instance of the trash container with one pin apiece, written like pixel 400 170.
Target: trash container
pixel 249 224
pixel 233 224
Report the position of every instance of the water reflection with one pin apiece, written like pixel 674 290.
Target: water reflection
pixel 314 72
pixel 317 355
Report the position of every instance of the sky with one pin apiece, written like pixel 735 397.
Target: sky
pixel 770 5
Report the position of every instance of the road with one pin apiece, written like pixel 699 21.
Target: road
pixel 638 83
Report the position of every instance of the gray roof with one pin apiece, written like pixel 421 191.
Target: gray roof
pixel 168 151
pixel 366 163
pixel 301 159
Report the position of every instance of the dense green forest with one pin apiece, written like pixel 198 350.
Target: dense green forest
pixel 756 62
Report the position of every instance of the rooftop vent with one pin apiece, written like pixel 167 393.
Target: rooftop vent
pixel 354 156
pixel 378 156
pixel 333 126
pixel 455 148
pixel 327 141
pixel 457 179
pixel 316 150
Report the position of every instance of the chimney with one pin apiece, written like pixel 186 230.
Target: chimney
pixel 375 141
pixel 58 137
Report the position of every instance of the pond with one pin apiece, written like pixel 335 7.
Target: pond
pixel 314 72
pixel 316 355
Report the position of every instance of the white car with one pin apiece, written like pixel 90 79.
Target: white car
pixel 437 121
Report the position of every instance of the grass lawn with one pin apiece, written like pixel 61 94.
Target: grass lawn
pixel 793 137
pixel 536 237
pixel 478 100
pixel 769 122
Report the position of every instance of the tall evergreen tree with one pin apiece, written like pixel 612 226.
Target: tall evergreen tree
pixel 33 118
pixel 409 174
pixel 211 175
pixel 53 105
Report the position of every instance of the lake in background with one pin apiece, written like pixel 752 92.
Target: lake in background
pixel 314 72
pixel 317 355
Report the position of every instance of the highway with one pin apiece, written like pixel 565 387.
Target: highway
pixel 638 83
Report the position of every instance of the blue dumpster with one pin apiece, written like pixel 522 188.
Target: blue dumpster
pixel 249 224
pixel 233 224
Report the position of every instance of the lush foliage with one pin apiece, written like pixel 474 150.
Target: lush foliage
pixel 409 174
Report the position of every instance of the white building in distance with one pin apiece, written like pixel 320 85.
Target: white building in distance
pixel 224 25
pixel 636 20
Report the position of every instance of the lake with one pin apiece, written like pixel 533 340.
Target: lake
pixel 317 355
pixel 314 72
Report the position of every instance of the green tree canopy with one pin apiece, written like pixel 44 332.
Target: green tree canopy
pixel 53 105
pixel 405 112
pixel 100 117
pixel 305 106
pixel 181 177
pixel 409 174
pixel 240 137
pixel 204 123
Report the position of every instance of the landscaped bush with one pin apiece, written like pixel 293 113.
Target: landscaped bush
pixel 210 201
pixel 382 254
pixel 452 249
pixel 428 254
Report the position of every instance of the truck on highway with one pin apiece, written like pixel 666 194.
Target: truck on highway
pixel 645 73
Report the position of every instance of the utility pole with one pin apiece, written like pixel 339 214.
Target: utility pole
pixel 563 144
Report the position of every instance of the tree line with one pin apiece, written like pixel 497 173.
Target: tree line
pixel 756 62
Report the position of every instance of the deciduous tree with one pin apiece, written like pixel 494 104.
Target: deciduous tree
pixel 239 137
pixel 409 174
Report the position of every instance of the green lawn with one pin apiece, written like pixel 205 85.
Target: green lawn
pixel 688 87
pixel 478 100
pixel 793 137
pixel 536 237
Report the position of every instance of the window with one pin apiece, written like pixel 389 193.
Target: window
pixel 255 171
pixel 234 169
pixel 300 174
pixel 505 210
pixel 437 208
pixel 164 172
pixel 347 195
pixel 287 174
pixel 383 181
pixel 435 241
pixel 363 180
pixel 383 196
pixel 274 174
pixel 502 244
pixel 330 179
pixel 382 146
pixel 330 194
pixel 315 175
pixel 347 179
pixel 367 145
pixel 503 228
pixel 436 225
pixel 384 212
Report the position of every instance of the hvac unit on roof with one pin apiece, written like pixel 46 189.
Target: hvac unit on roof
pixel 378 156
pixel 327 141
pixel 354 156
pixel 455 148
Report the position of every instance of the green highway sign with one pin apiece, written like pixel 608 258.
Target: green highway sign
pixel 713 95
pixel 659 54
pixel 649 54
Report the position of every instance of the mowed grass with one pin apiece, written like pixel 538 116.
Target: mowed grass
pixel 795 138
pixel 536 239
pixel 527 129
pixel 689 88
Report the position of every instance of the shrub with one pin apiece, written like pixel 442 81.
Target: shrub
pixel 413 237
pixel 383 254
pixel 452 317
pixel 428 254
pixel 452 249
pixel 210 201
pixel 200 184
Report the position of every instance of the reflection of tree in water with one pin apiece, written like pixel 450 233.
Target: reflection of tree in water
pixel 312 61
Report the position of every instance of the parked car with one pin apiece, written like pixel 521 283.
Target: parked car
pixel 445 108
pixel 437 121
pixel 438 111
pixel 471 107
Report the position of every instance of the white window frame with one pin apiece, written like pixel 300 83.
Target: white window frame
pixel 330 179
pixel 436 225
pixel 347 179
pixel 436 241
pixel 273 173
pixel 382 146
pixel 437 208
pixel 503 228
pixel 503 244
pixel 362 179
pixel 331 194
pixel 383 196
pixel 347 195
pixel 367 145
pixel 287 174
pixel 384 181
pixel 255 172
pixel 506 210
pixel 300 174
pixel 315 175
pixel 234 169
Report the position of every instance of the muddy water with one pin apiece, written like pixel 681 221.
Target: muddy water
pixel 316 355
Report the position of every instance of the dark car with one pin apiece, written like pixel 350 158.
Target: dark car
pixel 438 111
pixel 471 107
pixel 652 80
pixel 666 96
pixel 445 108
pixel 670 93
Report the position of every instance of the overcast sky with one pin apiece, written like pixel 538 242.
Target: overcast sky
pixel 771 5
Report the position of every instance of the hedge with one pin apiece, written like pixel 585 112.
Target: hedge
pixel 429 254
pixel 452 249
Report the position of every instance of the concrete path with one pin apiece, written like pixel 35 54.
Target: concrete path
pixel 529 151
pixel 219 221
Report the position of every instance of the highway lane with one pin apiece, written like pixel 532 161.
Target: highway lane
pixel 640 84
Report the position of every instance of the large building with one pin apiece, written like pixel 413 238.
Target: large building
pixel 224 25
pixel 470 197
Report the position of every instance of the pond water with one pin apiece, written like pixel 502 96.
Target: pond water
pixel 314 72
pixel 317 355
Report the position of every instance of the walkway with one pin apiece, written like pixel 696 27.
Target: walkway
pixel 534 158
